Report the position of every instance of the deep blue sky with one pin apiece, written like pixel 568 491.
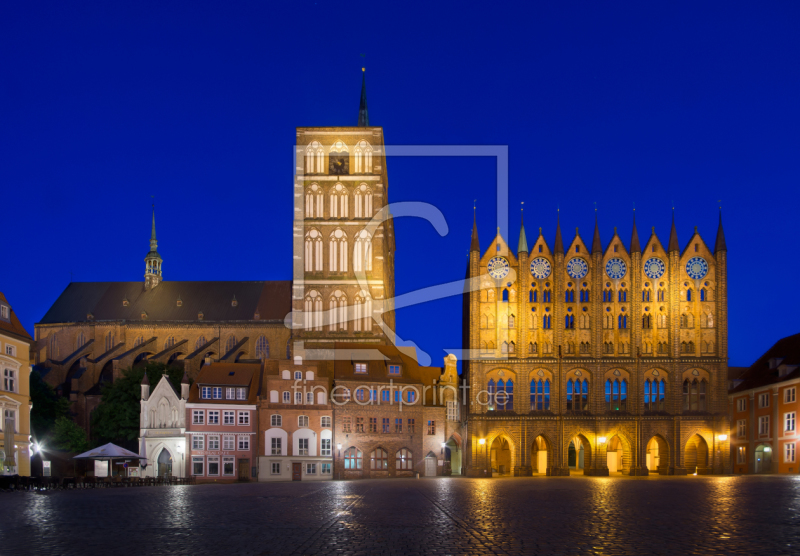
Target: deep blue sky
pixel 104 104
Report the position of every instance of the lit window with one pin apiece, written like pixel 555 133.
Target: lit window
pixel 311 469
pixel 198 416
pixel 326 468
pixel 213 465
pixel 244 442
pixel 790 422
pixel 241 393
pixel 302 447
pixel 227 465
pixel 276 447
pixel 198 442
pixel 213 417
pixel 228 417
pixel 244 417
pixel 361 367
pixel 325 447
pixel 789 452
pixel 197 465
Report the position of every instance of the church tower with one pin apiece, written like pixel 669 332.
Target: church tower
pixel 152 272
pixel 343 266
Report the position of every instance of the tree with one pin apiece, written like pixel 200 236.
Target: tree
pixel 69 436
pixel 48 407
pixel 116 419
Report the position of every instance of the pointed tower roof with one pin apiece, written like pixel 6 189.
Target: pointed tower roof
pixel 597 245
pixel 522 246
pixel 720 244
pixel 185 379
pixel 363 115
pixel 153 254
pixel 635 247
pixel 558 246
pixel 475 245
pixel 145 380
pixel 673 237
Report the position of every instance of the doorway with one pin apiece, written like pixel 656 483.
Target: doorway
pixel 430 466
pixel 244 467
pixel 763 459
pixel 575 455
pixel 501 456
pixel 453 456
pixel 696 455
pixel 297 471
pixel 539 455
pixel 164 463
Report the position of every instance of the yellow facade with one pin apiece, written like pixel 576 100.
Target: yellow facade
pixel 15 400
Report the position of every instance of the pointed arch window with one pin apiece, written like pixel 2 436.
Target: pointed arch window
pixel 622 322
pixel 512 348
pixel 313 251
pixel 314 201
pixel 694 395
pixel 504 348
pixel 623 296
pixel 584 320
pixel 569 322
pixel 703 295
pixel 170 341
pixel 546 322
pixel 689 294
pixel 362 254
pixel 569 296
pixel 315 158
pixel 654 394
pixel 546 296
pixel 313 311
pixel 616 394
pixel 511 321
pixel 533 348
pixel 662 348
pixel 490 389
pixel 339 201
pixel 363 157
pixel 262 348
pixel 337 251
pixel 585 347
pixel 231 343
pixel 646 295
pixel 505 296
pixel 540 395
pixel 646 321
pixel 363 201
pixel 363 312
pixel 532 296
pixel 53 353
pixel 584 296
pixel 80 340
pixel 110 341
pixel 201 341
pixel 338 311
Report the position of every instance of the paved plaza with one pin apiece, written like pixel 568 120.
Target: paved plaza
pixel 569 515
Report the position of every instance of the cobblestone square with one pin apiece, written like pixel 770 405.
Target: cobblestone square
pixel 569 515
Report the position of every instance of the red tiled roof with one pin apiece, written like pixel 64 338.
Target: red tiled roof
pixel 13 325
pixel 228 374
pixel 759 374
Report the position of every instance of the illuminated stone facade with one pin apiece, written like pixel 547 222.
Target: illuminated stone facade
pixel 616 356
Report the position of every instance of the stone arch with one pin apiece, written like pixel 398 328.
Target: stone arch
pixel 542 453
pixel 497 445
pixel 657 455
pixel 696 457
pixel 579 441
pixel 618 446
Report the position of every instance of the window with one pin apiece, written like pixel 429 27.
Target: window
pixel 326 469
pixel 763 425
pixel 228 417
pixel 213 442
pixel 227 465
pixel 325 447
pixel 276 468
pixel 262 348
pixel 276 446
pixel 411 396
pixel 276 421
pixel 298 397
pixel 213 417
pixel 403 460
pixel 302 446
pixel 361 367
pixel 616 394
pixel 352 458
pixel 373 424
pixel 741 454
pixel 394 369
pixel 789 395
pixel 198 416
pixel 540 395
pixel 206 393
pixel 359 424
pixel 311 469
pixel 197 465
pixel 741 428
pixel 431 427
pixel 4 312
pixel 325 422
pixel 241 393
pixel 763 400
pixel 789 422
pixel 788 452
pixel 217 395
pixel 741 404
pixel 346 424
pixel 230 393
pixel 244 417
pixel 411 426
pixel 309 398
pixel 654 394
pixel 452 411
pixel 302 421
pixel 398 425
pixel 12 350
pixel 577 394
pixel 198 442
pixel 244 442
pixel 694 395
pixel 546 322
pixel 213 465
pixel 228 442
pixel 378 459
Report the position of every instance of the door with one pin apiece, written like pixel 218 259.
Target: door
pixel 541 462
pixel 244 469
pixel 430 467
pixel 297 469
pixel 612 461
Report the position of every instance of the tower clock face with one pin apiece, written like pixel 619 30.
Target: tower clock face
pixel 577 268
pixel 338 164
pixel 697 268
pixel 616 268
pixel 654 268
pixel 540 268
pixel 498 268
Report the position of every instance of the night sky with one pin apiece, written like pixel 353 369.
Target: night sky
pixel 104 104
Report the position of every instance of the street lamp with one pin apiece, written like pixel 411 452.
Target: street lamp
pixel 723 437
pixel 482 441
pixel 339 449
pixel 602 440
pixel 179 448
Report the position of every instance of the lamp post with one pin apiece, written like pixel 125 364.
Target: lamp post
pixel 339 449
pixel 179 448
pixel 482 441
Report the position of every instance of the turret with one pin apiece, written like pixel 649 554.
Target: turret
pixel 185 386
pixel 145 388
pixel 152 273
pixel 363 114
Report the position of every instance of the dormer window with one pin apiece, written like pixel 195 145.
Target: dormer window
pixel 4 312
pixel 394 370
pixel 361 368
pixel 241 393
pixel 205 392
pixel 179 303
